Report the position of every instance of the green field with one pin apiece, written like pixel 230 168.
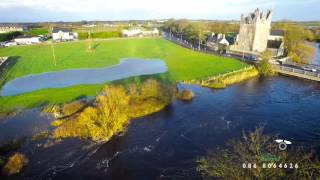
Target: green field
pixel 37 31
pixel 183 64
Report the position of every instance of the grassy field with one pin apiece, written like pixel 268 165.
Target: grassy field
pixel 37 31
pixel 183 64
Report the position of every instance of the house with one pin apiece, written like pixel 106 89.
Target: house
pixel 11 28
pixel 276 47
pixel 276 35
pixel 154 32
pixel 131 33
pixel 63 34
pixel 219 41
pixel 26 40
pixel 138 32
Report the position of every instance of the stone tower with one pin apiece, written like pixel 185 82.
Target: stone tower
pixel 254 32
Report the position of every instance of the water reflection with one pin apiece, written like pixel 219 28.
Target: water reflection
pixel 126 68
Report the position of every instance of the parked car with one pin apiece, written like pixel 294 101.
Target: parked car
pixel 307 68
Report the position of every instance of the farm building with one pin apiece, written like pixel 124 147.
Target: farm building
pixel 63 34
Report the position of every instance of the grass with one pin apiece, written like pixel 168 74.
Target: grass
pixel 183 64
pixel 37 31
pixel 100 35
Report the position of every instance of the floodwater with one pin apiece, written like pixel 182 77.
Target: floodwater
pixel 167 144
pixel 126 68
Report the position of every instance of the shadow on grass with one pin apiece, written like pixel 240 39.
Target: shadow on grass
pixel 5 68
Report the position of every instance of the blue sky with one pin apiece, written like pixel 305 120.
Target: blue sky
pixel 76 10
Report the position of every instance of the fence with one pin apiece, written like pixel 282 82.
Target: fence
pixel 297 72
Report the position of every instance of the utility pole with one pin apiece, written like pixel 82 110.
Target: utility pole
pixel 199 40
pixel 52 48
pixel 89 41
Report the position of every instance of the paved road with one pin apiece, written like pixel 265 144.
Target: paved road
pixel 287 67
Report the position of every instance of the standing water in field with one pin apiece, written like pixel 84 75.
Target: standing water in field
pixel 126 68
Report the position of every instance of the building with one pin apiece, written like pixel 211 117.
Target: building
pixel 275 43
pixel 131 32
pixel 11 28
pixel 154 32
pixel 27 40
pixel 139 33
pixel 219 42
pixel 63 34
pixel 255 35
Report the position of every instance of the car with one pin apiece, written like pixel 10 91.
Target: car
pixel 307 68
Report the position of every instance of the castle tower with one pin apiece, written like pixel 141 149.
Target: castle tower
pixel 254 32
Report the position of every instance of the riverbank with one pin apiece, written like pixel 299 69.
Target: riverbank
pixel 182 63
pixel 224 80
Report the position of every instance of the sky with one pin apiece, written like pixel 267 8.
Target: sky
pixel 77 10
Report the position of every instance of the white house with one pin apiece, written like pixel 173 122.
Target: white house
pixel 216 42
pixel 131 33
pixel 62 34
pixel 276 35
pixel 154 32
pixel 139 32
pixel 26 40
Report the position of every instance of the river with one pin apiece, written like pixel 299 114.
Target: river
pixel 168 143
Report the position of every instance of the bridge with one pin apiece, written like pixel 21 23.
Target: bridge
pixel 297 72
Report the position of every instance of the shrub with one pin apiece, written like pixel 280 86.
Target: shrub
pixel 15 164
pixel 217 85
pixel 58 122
pixel 114 107
pixel 73 107
pixel 108 117
pixel 9 36
pixel 40 136
pixel 186 95
pixel 100 35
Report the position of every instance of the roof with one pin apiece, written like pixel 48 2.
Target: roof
pixel 274 44
pixel 231 39
pixel 277 33
pixel 56 30
pixel 24 36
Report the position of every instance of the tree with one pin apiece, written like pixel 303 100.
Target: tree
pixel 255 147
pixel 303 53
pixel 264 66
pixel 295 37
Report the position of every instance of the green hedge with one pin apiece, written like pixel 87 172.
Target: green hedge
pixel 37 31
pixel 100 35
pixel 9 36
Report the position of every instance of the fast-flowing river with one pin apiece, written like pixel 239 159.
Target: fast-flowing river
pixel 168 143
